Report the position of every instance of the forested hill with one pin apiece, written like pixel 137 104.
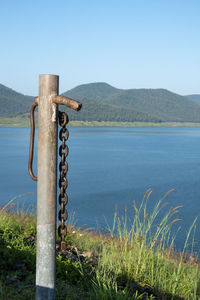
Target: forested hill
pixel 102 102
pixel 195 98
pixel 13 103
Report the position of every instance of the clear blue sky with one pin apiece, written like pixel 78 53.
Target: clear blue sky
pixel 128 44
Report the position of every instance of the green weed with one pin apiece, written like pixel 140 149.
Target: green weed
pixel 131 262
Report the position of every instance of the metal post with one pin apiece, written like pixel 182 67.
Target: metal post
pixel 47 103
pixel 47 188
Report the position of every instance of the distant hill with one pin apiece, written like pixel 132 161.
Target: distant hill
pixel 102 102
pixel 195 98
pixel 13 103
pixel 97 105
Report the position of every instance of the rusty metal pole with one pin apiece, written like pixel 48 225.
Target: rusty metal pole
pixel 47 103
pixel 47 188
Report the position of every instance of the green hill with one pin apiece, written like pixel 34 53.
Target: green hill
pixel 13 103
pixel 195 98
pixel 102 102
pixel 164 104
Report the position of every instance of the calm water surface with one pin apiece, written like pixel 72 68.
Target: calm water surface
pixel 109 166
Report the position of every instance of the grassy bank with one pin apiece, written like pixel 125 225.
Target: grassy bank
pixel 132 124
pixel 25 122
pixel 14 122
pixel 135 263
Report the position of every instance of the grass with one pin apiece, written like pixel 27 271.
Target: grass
pixel 130 262
pixel 132 124
pixel 23 121
pixel 14 122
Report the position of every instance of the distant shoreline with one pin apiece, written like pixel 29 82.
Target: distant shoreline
pixel 25 122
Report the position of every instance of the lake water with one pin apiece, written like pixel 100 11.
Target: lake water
pixel 109 166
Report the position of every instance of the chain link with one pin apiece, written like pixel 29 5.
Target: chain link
pixel 63 183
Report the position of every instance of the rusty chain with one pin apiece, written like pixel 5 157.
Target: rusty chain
pixel 63 168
